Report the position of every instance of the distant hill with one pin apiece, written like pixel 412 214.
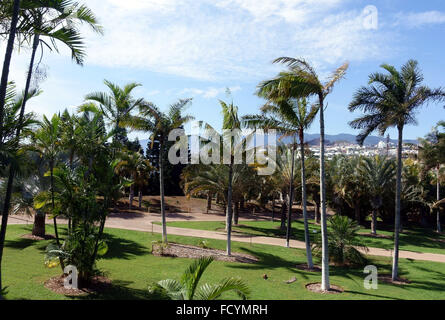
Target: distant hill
pixel 314 139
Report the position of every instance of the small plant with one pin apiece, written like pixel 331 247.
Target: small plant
pixel 203 244
pixel 343 242
pixel 159 247
pixel 187 288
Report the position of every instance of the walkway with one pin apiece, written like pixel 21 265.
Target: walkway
pixel 144 222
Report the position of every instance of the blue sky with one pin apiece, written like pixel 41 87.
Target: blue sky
pixel 197 48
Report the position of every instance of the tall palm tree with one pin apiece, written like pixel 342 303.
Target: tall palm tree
pixel 301 81
pixel 432 154
pixel 391 100
pixel 116 106
pixel 188 287
pixel 378 174
pixel 137 168
pixel 7 63
pixel 152 120
pixel 291 117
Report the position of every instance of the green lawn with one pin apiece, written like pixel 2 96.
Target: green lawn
pixel 131 267
pixel 416 240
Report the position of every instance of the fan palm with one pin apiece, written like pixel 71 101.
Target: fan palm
pixel 188 287
pixel 301 81
pixel 151 120
pixel 432 154
pixel 378 175
pixel 391 100
pixel 291 117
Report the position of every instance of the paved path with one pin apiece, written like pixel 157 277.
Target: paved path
pixel 144 222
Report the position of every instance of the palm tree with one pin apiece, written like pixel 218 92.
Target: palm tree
pixel 290 117
pixel 391 100
pixel 137 168
pixel 301 81
pixel 432 154
pixel 116 106
pixel 6 65
pixel 46 142
pixel 159 124
pixel 188 287
pixel 378 174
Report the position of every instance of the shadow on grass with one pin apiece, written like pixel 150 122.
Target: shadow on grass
pixel 119 290
pixel 120 248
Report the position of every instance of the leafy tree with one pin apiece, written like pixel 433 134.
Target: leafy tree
pixel 116 107
pixel 432 154
pixel 188 287
pixel 378 174
pixel 291 117
pixel 137 168
pixel 159 125
pixel 301 81
pixel 391 100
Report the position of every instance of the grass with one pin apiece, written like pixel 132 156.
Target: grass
pixel 416 240
pixel 131 267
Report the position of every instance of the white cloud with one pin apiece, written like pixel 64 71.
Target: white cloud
pixel 227 39
pixel 420 19
pixel 209 92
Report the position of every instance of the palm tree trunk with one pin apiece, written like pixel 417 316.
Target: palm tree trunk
pixel 209 201
pixel 291 198
pixel 307 240
pixel 236 214
pixel 62 265
pixel 131 196
pixel 140 198
pixel 283 214
pixel 6 65
pixel 357 212
pixel 161 186
pixel 395 263
pixel 317 212
pixel 38 228
pixel 273 209
pixel 325 285
pixel 374 222
pixel 229 210
pixel 439 227
pixel 12 169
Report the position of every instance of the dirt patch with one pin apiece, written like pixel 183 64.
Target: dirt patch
pixel 36 238
pixel 387 278
pixel 378 236
pixel 316 287
pixel 304 267
pixel 193 252
pixel 98 284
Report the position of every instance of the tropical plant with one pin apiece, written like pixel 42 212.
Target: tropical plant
pixel 46 142
pixel 343 243
pixel 116 107
pixel 159 125
pixel 391 100
pixel 188 287
pixel 291 117
pixel 301 81
pixel 378 175
pixel 432 154
pixel 137 168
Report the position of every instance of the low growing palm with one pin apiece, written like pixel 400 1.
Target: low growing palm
pixel 188 287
